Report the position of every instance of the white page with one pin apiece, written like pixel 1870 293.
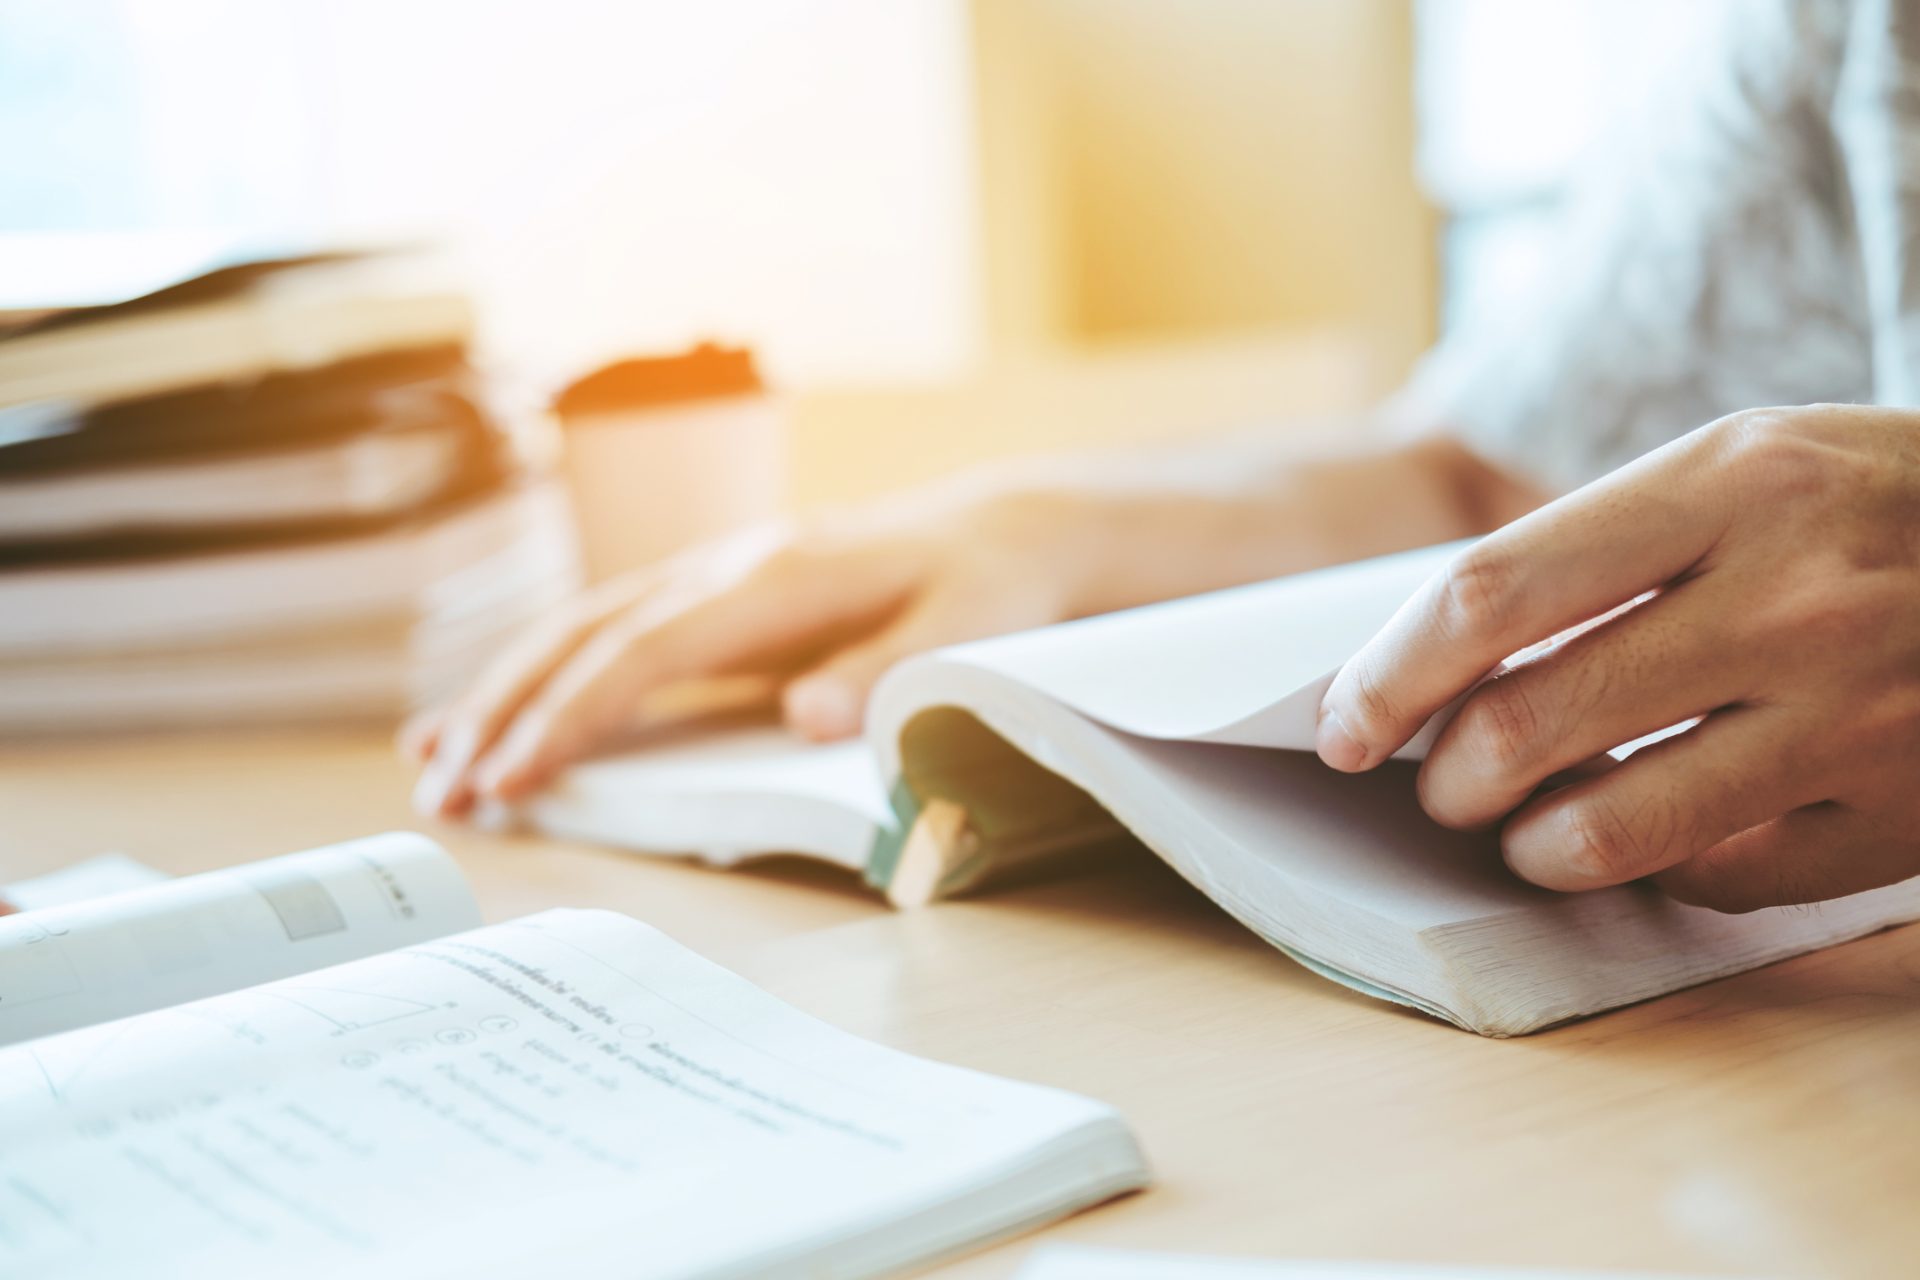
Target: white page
pixel 723 795
pixel 94 877
pixel 1246 666
pixel 71 966
pixel 760 760
pixel 573 1093
pixel 1078 1262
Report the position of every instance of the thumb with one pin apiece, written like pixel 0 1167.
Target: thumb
pixel 830 701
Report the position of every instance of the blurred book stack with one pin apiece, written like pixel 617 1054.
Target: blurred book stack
pixel 272 492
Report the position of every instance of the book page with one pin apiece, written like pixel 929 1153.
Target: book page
pixel 573 1093
pixel 722 794
pixel 94 877
pixel 1245 667
pixel 76 964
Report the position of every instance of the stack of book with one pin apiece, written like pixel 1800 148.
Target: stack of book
pixel 274 491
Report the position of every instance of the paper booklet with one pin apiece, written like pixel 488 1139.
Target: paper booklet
pixel 1191 725
pixel 320 1065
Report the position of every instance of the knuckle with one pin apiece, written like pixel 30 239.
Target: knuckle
pixel 1501 726
pixel 1369 702
pixel 1884 727
pixel 1826 609
pixel 1602 846
pixel 1776 452
pixel 1751 432
pixel 1475 592
pixel 1829 613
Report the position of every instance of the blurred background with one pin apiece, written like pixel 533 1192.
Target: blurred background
pixel 944 230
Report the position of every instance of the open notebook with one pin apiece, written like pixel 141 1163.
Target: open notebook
pixel 1191 725
pixel 320 1066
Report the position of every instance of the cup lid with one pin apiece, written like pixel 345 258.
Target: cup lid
pixel 708 371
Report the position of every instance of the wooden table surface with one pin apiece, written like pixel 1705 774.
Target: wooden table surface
pixel 1767 1125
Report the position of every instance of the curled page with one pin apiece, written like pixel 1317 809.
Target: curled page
pixel 94 877
pixel 63 967
pixel 1245 666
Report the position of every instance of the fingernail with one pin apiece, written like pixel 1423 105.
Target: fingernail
pixel 1335 745
pixel 411 742
pixel 440 786
pixel 823 707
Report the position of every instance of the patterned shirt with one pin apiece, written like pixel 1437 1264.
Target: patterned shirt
pixel 1749 240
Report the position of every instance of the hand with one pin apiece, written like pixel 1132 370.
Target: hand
pixel 850 595
pixel 1782 551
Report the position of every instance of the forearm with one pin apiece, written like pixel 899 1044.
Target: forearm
pixel 1168 523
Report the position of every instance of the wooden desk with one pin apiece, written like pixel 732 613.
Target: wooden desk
pixel 1769 1124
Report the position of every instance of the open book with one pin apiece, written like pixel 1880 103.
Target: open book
pixel 1191 725
pixel 319 1066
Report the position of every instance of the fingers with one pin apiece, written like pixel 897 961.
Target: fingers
pixel 671 638
pixel 420 734
pixel 1572 560
pixel 455 737
pixel 560 721
pixel 1809 855
pixel 1664 805
pixel 1657 664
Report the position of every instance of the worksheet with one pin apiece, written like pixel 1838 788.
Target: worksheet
pixel 572 1093
pixel 79 963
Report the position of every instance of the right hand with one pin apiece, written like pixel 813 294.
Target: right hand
pixel 825 607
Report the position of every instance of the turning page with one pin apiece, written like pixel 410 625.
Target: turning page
pixel 94 877
pixel 80 963
pixel 1246 666
pixel 569 1094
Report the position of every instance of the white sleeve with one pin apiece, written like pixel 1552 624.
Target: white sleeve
pixel 1706 264
pixel 1876 119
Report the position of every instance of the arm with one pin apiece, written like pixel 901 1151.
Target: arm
pixel 1160 524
